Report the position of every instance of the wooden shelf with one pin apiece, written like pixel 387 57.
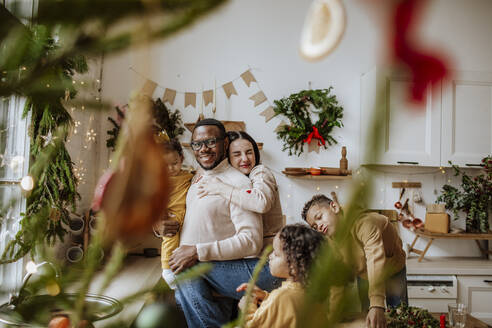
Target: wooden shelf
pixel 433 235
pixel 187 145
pixel 318 177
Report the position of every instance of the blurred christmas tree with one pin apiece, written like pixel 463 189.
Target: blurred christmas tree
pixel 37 62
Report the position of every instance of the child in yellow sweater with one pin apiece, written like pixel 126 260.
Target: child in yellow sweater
pixel 180 183
pixel 294 250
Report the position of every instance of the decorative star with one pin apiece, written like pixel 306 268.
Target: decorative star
pixel 49 139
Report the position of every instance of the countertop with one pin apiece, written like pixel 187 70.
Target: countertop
pixel 138 273
pixel 450 265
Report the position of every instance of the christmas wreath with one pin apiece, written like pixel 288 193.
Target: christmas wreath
pixel 302 130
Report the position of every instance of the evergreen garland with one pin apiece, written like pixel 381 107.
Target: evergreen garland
pixel 296 109
pixel 164 120
pixel 404 316
pixel 55 183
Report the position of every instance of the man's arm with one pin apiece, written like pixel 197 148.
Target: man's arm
pixel 247 241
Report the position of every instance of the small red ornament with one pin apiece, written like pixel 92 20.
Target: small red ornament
pixel 398 205
pixel 59 322
pixel 248 191
pixel 442 321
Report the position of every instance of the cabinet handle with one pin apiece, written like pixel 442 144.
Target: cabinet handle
pixel 468 164
pixel 403 162
pixel 489 281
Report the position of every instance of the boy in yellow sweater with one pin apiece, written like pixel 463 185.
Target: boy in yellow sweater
pixel 374 251
pixel 180 183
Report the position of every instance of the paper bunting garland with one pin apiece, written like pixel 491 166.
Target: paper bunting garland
pixel 190 99
pixel 282 124
pixel 229 89
pixel 269 113
pixel 208 97
pixel 148 88
pixel 169 96
pixel 313 146
pixel 248 77
pixel 259 98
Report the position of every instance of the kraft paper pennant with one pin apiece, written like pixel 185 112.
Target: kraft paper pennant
pixel 269 113
pixel 313 146
pixel 208 97
pixel 248 77
pixel 229 89
pixel 259 98
pixel 190 99
pixel 169 96
pixel 148 88
pixel 279 127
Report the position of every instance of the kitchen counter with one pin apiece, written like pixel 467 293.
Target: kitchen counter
pixel 138 273
pixel 450 265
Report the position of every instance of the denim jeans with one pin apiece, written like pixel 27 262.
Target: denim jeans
pixel 396 290
pixel 204 309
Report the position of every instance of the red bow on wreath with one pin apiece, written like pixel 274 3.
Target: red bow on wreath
pixel 315 134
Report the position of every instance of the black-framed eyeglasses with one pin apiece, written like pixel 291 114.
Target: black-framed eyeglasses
pixel 209 143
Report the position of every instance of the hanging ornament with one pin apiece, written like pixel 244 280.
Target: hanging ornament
pixel 135 194
pixel 323 28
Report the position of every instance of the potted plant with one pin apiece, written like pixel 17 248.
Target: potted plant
pixel 474 197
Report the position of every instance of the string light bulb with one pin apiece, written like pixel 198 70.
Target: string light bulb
pixel 31 267
pixel 27 183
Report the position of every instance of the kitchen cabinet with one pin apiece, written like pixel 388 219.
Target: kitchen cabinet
pixel 476 292
pixel 454 124
pixel 466 118
pixel 473 282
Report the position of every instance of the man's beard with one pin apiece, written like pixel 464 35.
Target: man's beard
pixel 214 165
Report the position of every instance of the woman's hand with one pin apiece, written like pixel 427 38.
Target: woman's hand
pixel 258 293
pixel 213 186
pixel 375 318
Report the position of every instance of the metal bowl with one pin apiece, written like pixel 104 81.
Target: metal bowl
pixel 98 307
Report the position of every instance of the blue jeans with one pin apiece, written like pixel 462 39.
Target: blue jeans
pixel 203 309
pixel 396 290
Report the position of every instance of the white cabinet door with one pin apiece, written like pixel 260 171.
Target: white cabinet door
pixel 409 134
pixel 467 118
pixel 476 292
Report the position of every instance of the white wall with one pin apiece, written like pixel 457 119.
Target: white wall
pixel 264 35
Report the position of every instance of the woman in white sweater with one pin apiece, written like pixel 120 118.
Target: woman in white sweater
pixel 262 198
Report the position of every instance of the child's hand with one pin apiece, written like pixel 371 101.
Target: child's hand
pixel 213 186
pixel 258 293
pixel 170 228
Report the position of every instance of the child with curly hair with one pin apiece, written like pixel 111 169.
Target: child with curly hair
pixel 294 251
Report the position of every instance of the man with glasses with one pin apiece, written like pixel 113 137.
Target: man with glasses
pixel 218 232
